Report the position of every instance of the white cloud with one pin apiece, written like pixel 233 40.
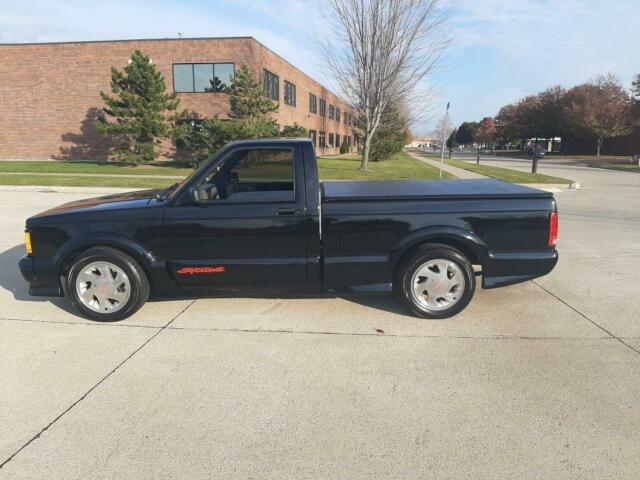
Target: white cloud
pixel 563 41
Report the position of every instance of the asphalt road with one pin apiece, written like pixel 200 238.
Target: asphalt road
pixel 539 380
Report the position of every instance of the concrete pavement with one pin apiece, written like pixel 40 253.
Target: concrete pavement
pixel 539 380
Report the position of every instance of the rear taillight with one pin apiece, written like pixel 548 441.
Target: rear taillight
pixel 553 228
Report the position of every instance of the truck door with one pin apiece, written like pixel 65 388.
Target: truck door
pixel 242 221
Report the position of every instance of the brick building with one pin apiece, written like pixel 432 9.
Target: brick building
pixel 49 92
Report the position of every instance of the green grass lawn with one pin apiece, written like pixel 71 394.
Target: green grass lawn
pixel 62 166
pixel 71 181
pixel 399 167
pixel 507 174
pixel 624 167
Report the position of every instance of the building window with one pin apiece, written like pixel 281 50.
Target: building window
pixel 313 136
pixel 202 77
pixel 331 139
pixel 337 115
pixel 323 107
pixel 332 112
pixel 313 103
pixel 183 78
pixel 337 139
pixel 271 84
pixel 289 93
pixel 346 118
pixel 321 138
pixel 223 74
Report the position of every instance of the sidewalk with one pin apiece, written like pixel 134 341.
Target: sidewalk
pixel 458 172
pixel 466 174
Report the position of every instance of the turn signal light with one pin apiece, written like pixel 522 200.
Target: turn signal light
pixel 27 242
pixel 553 228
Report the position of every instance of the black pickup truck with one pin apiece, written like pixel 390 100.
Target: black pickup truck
pixel 255 219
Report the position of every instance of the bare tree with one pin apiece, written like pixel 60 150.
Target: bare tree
pixel 380 51
pixel 441 131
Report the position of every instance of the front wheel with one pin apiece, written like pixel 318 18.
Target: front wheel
pixel 435 282
pixel 106 285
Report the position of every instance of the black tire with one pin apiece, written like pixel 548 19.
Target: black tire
pixel 138 282
pixel 402 287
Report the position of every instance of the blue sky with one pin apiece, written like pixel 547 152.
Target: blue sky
pixel 501 49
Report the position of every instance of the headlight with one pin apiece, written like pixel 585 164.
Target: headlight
pixel 27 242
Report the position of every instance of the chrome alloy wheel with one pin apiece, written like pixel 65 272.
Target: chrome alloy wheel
pixel 103 287
pixel 437 285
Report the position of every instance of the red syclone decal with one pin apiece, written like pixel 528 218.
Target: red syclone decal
pixel 200 270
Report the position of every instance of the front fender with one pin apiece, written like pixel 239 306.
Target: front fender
pixel 107 239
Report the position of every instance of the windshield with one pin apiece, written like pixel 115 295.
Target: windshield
pixel 196 171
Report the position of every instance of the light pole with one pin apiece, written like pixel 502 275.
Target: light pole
pixel 444 135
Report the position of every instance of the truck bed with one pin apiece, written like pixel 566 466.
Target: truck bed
pixel 347 190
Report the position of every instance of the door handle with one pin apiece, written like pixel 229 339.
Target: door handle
pixel 285 211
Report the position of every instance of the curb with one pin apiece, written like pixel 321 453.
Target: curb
pixel 553 187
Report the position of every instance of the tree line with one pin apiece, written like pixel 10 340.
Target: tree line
pixel 594 111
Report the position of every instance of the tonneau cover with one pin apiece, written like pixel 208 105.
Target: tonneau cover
pixel 346 190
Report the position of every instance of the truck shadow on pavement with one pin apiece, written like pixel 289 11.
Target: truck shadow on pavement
pixel 12 281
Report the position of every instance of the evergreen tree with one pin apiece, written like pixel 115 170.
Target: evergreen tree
pixel 142 112
pixel 294 131
pixel 248 99
pixel 451 141
pixel 391 136
pixel 464 134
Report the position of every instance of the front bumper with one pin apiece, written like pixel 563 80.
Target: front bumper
pixel 39 286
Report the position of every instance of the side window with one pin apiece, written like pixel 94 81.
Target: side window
pixel 262 174
pixel 289 93
pixel 271 84
pixel 313 103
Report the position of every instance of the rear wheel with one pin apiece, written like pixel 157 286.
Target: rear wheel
pixel 436 281
pixel 106 285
